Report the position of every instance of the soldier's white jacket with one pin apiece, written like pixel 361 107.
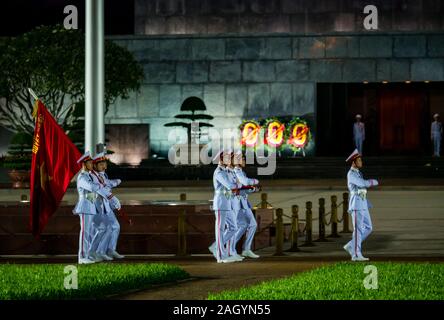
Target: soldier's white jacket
pixel 245 181
pixel 104 204
pixel 111 183
pixel 357 186
pixel 89 191
pixel 235 199
pixel 223 185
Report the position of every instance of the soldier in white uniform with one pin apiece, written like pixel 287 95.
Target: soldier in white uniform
pixel 234 213
pixel 225 223
pixel 102 218
pixel 436 135
pixel 112 224
pixel 359 133
pixel 85 208
pixel 246 221
pixel 358 206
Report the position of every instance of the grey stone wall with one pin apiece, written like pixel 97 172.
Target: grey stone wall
pixel 265 75
pixel 301 16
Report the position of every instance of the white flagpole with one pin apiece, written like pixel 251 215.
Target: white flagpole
pixel 33 94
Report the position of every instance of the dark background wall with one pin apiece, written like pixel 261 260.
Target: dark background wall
pixel 258 76
pixel 254 58
pixel 301 16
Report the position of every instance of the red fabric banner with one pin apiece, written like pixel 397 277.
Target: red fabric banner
pixel 54 163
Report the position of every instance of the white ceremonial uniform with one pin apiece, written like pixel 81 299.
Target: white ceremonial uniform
pixel 358 208
pixel 101 220
pixel 113 226
pixel 436 132
pixel 232 216
pixel 359 135
pixel 85 208
pixel 246 222
pixel 222 206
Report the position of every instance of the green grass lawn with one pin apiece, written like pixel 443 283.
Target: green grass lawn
pixel 344 281
pixel 46 281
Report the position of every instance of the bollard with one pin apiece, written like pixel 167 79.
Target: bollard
pixel 264 202
pixel 321 221
pixel 345 227
pixel 183 197
pixel 294 229
pixel 279 233
pixel 334 217
pixel 181 235
pixel 308 225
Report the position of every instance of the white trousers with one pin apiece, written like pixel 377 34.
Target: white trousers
pixel 85 235
pixel 437 145
pixel 358 144
pixel 112 232
pixel 225 230
pixel 246 224
pixel 362 227
pixel 99 230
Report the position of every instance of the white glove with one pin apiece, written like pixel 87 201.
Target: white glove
pixel 374 182
pixel 114 203
pixel 105 192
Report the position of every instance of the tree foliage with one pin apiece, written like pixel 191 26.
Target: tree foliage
pixel 51 61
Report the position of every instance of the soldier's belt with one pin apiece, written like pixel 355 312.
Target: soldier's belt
pixel 90 196
pixel 362 193
pixel 226 193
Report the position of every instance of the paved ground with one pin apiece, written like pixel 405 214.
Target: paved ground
pixel 408 222
pixel 210 277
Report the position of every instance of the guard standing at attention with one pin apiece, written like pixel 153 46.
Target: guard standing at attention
pixel 359 133
pixel 436 135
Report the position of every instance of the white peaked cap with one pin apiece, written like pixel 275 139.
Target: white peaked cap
pixel 218 156
pixel 355 154
pixel 86 156
pixel 238 153
pixel 221 153
pixel 358 116
pixel 99 155
pixel 435 115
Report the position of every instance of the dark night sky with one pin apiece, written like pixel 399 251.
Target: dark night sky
pixel 19 16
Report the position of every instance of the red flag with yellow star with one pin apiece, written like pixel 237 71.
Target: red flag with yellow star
pixel 54 163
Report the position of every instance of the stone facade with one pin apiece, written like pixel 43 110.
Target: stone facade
pixel 276 16
pixel 243 77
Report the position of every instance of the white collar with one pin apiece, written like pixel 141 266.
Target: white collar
pixel 354 169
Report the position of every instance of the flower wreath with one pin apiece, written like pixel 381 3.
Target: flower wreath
pixel 250 130
pixel 298 133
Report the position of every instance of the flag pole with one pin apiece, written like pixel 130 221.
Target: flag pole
pixel 33 94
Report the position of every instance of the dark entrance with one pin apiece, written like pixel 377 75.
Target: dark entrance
pixel 397 117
